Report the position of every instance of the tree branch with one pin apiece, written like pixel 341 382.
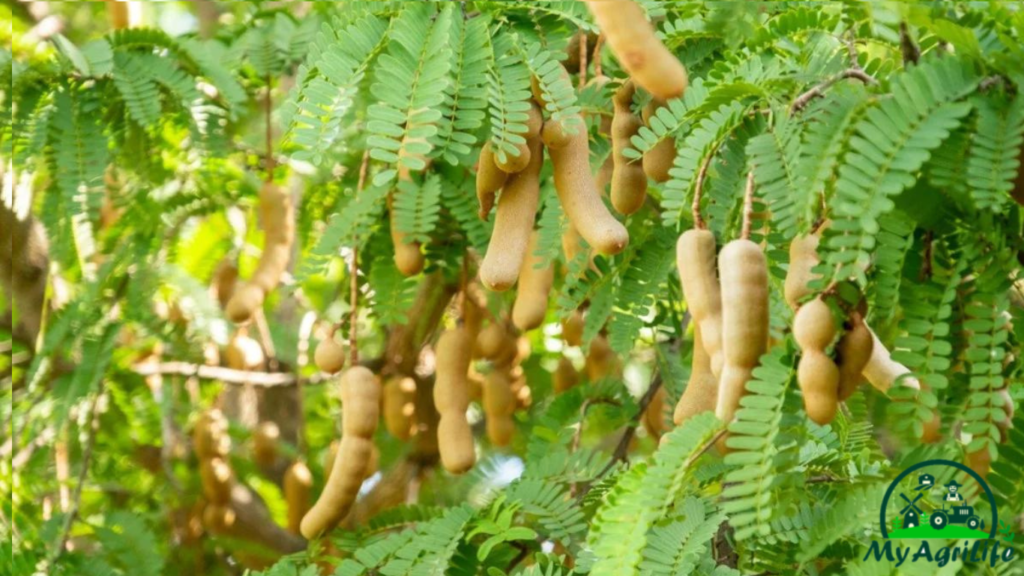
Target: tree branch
pixel 804 99
pixel 226 375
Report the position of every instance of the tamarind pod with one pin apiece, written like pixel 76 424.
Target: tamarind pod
pixel 932 429
pixel 331 455
pixel 265 441
pixel 854 350
pixel 329 356
pixel 360 402
pixel 818 377
pixel 517 208
pixel 451 392
pixel 654 415
pixel 803 257
pixel 243 353
pixel 513 164
pixel 298 481
pixel 341 489
pixel 217 478
pixel 508 353
pixel 580 198
pixel 499 403
pixel 629 183
pixel 225 280
pixel 658 160
pixel 572 329
pixel 555 135
pixel 534 286
pixel 408 258
pixel 695 258
pixel 476 386
pixel 1008 411
pixel 565 376
pixel 489 179
pixel 701 394
pixel 455 439
pixel 490 340
pixel 500 430
pixel 472 315
pixel 273 263
pixel 744 285
pixel 538 92
pixel 813 326
pixel 399 405
pixel 244 302
pixel 209 437
pixel 980 461
pixel 601 361
pixel 373 463
pixel 218 518
pixel 882 371
pixel 631 38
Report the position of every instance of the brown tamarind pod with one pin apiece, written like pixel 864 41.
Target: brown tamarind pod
pixel 580 199
pixel 489 179
pixel 818 376
pixel 1008 411
pixel 572 329
pixel 408 257
pixel 803 257
pixel 631 38
pixel 508 353
pixel 265 443
pixel 217 478
pixel 513 164
pixel 853 353
pixel 744 289
pixel 695 258
pixel 399 406
pixel 535 280
pixel 298 482
pixel 244 302
pixel 601 361
pixel 565 376
pixel 499 405
pixel 654 415
pixel 517 208
pixel 210 436
pixel 881 371
pixel 218 518
pixel 538 92
pixel 243 353
pixel 658 160
pixel 225 280
pixel 329 356
pixel 980 461
pixel 629 183
pixel 490 340
pixel 931 431
pixel 451 398
pixel 373 464
pixel 360 401
pixel 701 394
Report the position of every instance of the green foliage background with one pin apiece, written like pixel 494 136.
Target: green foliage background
pixel 916 164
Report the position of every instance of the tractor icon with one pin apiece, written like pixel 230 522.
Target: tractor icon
pixel 955 515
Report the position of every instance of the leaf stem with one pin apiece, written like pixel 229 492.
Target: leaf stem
pixel 748 206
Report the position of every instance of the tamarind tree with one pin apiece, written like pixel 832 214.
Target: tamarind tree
pixel 694 280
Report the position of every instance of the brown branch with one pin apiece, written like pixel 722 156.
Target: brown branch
pixel 698 190
pixel 911 53
pixel 76 499
pixel 597 55
pixel 227 375
pixel 748 206
pixel 926 258
pixel 804 99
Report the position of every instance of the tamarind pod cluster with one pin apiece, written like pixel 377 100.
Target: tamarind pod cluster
pixel 701 394
pixel 489 179
pixel 695 258
pixel 298 482
pixel 499 405
pixel 629 183
pixel 451 398
pixel 654 415
pixel 601 361
pixel 513 164
pixel 360 398
pixel 265 443
pixel 243 353
pixel 565 376
pixel 632 40
pixel 744 290
pixel 409 258
pixel 278 216
pixel 572 329
pixel 818 376
pixel 535 282
pixel 580 198
pixel 803 257
pixel 399 400
pixel 329 356
pixel 517 208
pixel 853 352
pixel 658 160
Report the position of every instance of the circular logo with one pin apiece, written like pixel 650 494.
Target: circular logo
pixel 928 507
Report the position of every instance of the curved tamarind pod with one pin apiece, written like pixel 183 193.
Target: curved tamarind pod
pixel 882 371
pixel 451 398
pixel 513 164
pixel 818 376
pixel 225 280
pixel 813 326
pixel 210 436
pixel 701 394
pixel 572 329
pixel 278 216
pixel 601 361
pixel 508 353
pixel 243 353
pixel 565 376
pixel 803 257
pixel 489 179
pixel 629 183
pixel 853 352
pixel 932 429
pixel 265 440
pixel 360 401
pixel 218 518
pixel 654 415
pixel 499 405
pixel 534 286
pixel 409 258
pixel 1008 411
pixel 517 208
pixel 538 92
pixel 695 258
pixel 298 482
pixel 490 340
pixel 632 39
pixel 329 356
pixel 217 478
pixel 744 286
pixel 399 406
pixel 658 160
pixel 980 461
pixel 580 198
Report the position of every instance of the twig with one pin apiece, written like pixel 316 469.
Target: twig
pixel 804 99
pixel 577 436
pixel 268 342
pixel 824 478
pixel 748 206
pixel 583 58
pixel 851 51
pixel 226 375
pixel 76 499
pixel 698 190
pixel 622 449
pixel 911 53
pixel 926 263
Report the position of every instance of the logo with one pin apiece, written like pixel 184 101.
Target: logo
pixel 940 500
